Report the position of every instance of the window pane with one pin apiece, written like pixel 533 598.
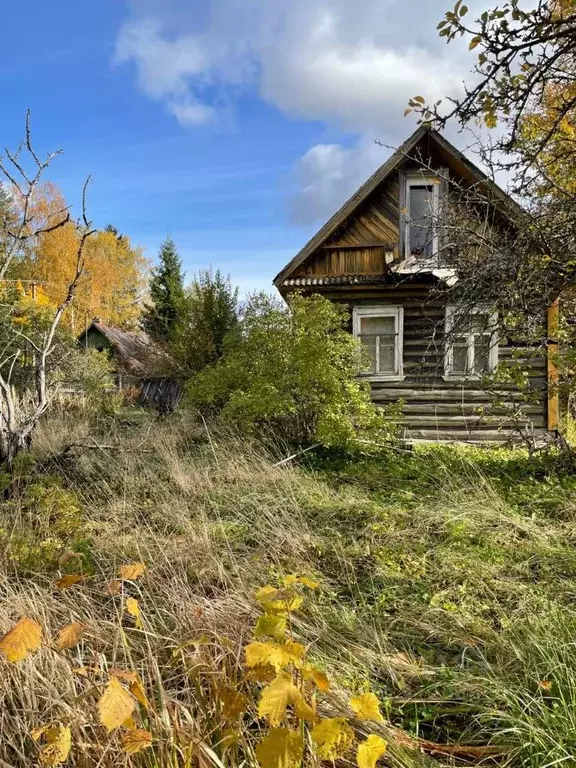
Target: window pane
pixel 479 323
pixel 387 357
pixel 482 354
pixel 369 356
pixel 460 356
pixel 377 326
pixel 421 207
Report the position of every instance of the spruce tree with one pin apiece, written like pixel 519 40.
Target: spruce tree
pixel 213 314
pixel 163 320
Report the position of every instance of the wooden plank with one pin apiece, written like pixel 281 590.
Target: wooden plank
pixel 553 410
pixel 470 422
pixel 454 409
pixel 475 436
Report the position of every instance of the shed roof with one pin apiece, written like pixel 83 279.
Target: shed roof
pixel 135 351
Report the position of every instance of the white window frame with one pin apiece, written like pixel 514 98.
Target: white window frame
pixel 383 310
pixel 492 327
pixel 419 181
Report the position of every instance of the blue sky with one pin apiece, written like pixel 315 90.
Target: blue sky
pixel 237 126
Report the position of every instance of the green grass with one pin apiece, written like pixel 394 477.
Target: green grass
pixel 448 574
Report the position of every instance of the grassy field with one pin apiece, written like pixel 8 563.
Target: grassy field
pixel 447 585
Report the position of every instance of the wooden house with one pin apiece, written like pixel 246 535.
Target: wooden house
pixel 379 255
pixel 136 361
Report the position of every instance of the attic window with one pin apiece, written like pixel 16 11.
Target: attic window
pixel 422 197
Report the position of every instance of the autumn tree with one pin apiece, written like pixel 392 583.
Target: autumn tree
pixel 30 335
pixel 115 274
pixel 165 317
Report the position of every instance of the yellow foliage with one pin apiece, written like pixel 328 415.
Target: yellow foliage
pixel 316 676
pixel 370 751
pixel 131 571
pixel 304 580
pixel 332 737
pixel 366 707
pixel 115 706
pixel 115 275
pixel 24 638
pixel 274 654
pixel 271 626
pixel 133 609
pixel 267 593
pixel 58 742
pixel 137 690
pixel 276 698
pixel 280 748
pixel 135 740
pixel 68 581
pixel 69 636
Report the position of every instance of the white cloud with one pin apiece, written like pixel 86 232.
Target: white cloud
pixel 328 173
pixel 352 64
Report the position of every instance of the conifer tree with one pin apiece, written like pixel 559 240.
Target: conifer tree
pixel 164 318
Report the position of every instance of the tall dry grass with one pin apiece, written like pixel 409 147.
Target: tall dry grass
pixel 433 604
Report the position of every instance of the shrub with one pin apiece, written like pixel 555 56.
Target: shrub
pixel 292 372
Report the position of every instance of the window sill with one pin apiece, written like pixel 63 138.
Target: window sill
pixel 465 376
pixel 380 377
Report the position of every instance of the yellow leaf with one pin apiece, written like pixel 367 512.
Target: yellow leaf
pixel 316 676
pixel 275 654
pixel 68 581
pixel 278 695
pixel 302 709
pixel 129 723
pixel 134 741
pixel 69 636
pixel 370 751
pixel 266 593
pixel 115 706
pixel 332 737
pixel 56 750
pixel 280 748
pixel 233 702
pixel 261 673
pixel 283 606
pixel 270 626
pixel 133 608
pixel 137 690
pixel 304 580
pixel 22 639
pixel 366 707
pixel 131 571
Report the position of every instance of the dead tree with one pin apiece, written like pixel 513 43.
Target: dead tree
pixel 20 411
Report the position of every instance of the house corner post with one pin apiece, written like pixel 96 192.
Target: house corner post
pixel 552 370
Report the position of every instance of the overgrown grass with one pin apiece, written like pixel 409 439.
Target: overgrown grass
pixel 447 575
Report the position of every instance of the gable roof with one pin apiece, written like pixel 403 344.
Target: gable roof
pixel 381 175
pixel 135 351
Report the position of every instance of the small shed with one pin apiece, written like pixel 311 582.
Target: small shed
pixel 137 361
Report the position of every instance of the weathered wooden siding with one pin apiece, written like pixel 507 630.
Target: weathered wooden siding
pixel 435 409
pixel 345 261
pixel 376 220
